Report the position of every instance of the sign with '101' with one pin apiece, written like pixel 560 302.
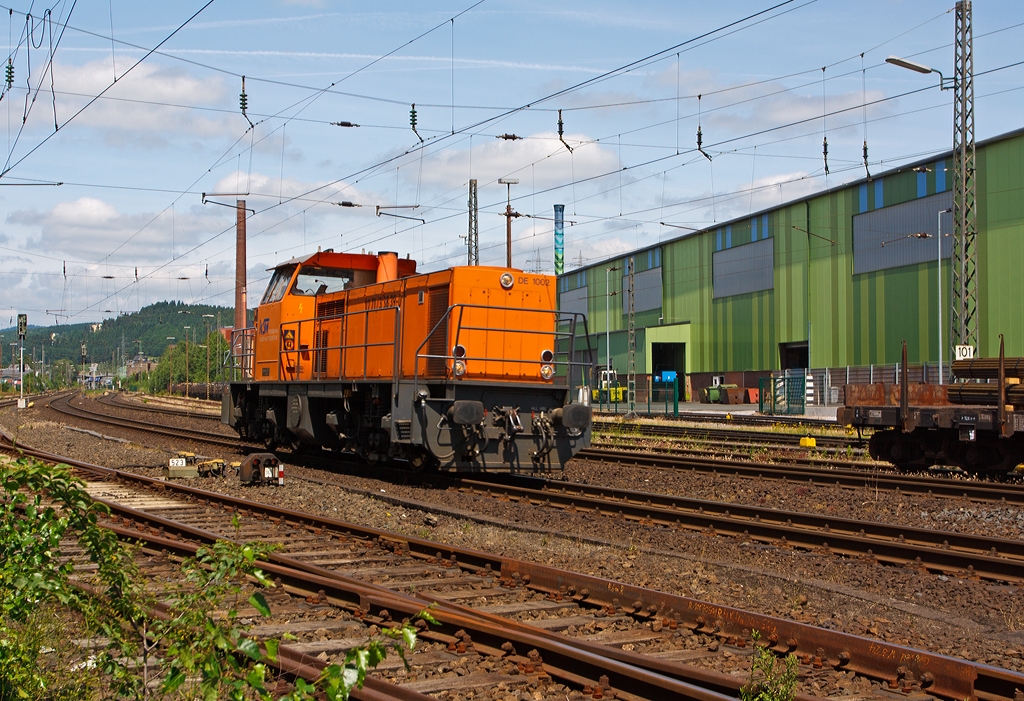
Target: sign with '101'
pixel 964 352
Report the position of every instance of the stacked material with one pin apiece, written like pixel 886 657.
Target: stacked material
pixel 987 368
pixel 984 394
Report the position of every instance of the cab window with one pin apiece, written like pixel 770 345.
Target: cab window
pixel 320 281
pixel 278 284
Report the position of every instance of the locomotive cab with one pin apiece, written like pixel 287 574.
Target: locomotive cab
pixel 467 368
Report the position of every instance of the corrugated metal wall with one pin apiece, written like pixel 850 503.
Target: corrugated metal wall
pixel 848 318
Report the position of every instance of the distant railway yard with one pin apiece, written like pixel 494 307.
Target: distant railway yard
pixel 640 573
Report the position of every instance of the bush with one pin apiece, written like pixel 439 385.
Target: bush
pixel 200 650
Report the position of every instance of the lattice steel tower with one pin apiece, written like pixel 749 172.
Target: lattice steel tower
pixel 631 366
pixel 964 313
pixel 473 238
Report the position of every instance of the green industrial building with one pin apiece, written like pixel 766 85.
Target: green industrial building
pixel 836 279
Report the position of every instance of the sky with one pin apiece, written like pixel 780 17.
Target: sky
pixel 121 115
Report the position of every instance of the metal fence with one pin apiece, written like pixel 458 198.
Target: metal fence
pixel 782 395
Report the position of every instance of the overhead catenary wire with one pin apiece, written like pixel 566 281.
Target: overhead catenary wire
pixel 8 166
pixel 572 178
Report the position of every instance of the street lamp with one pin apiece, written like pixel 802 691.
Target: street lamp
pixel 938 272
pixel 207 346
pixel 186 360
pixel 944 83
pixel 170 365
pixel 508 182
pixel 607 327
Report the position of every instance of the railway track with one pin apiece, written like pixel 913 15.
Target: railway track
pixel 63 405
pixel 777 454
pixel 942 552
pixel 368 573
pixel 721 435
pixel 864 474
pixel 118 401
pixel 718 417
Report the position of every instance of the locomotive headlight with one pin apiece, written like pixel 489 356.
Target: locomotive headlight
pixel 547 356
pixel 547 372
pixel 506 280
pixel 459 368
pixel 459 351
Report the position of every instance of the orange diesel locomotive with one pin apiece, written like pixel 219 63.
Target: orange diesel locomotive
pixel 468 368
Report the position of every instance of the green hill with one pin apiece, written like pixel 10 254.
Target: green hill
pixel 148 329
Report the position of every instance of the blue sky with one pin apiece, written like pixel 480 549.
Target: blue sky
pixel 135 161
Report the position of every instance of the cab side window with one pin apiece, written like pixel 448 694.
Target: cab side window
pixel 278 284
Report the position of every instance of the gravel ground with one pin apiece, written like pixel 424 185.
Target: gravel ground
pixel 974 620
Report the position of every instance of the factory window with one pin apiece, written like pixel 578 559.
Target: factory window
pixel 718 240
pixel 863 197
pixel 753 229
pixel 940 176
pixel 747 268
pixel 728 236
pixel 922 184
pixel 764 226
pixel 879 194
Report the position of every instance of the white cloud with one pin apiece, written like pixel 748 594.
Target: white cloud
pixel 89 229
pixel 145 106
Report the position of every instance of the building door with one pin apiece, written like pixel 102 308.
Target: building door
pixel 794 355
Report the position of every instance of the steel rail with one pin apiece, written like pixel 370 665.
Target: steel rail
pixel 561 659
pixel 718 417
pixel 946 552
pixel 117 401
pixel 911 484
pixel 900 667
pixel 288 659
pixel 188 434
pixel 797 456
pixel 614 428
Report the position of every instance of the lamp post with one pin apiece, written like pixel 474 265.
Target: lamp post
pixel 170 364
pixel 508 182
pixel 208 316
pixel 607 327
pixel 938 273
pixel 186 360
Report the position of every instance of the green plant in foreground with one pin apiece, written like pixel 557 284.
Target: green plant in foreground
pixel 771 679
pixel 203 649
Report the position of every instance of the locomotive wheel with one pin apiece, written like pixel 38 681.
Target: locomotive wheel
pixel 420 461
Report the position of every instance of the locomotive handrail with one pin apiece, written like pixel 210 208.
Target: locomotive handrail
pixel 243 361
pixel 394 342
pixel 560 317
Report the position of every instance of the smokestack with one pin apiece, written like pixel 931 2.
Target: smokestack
pixel 240 312
pixel 387 266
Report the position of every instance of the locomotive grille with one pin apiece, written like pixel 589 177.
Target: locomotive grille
pixel 438 343
pixel 320 354
pixel 335 307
